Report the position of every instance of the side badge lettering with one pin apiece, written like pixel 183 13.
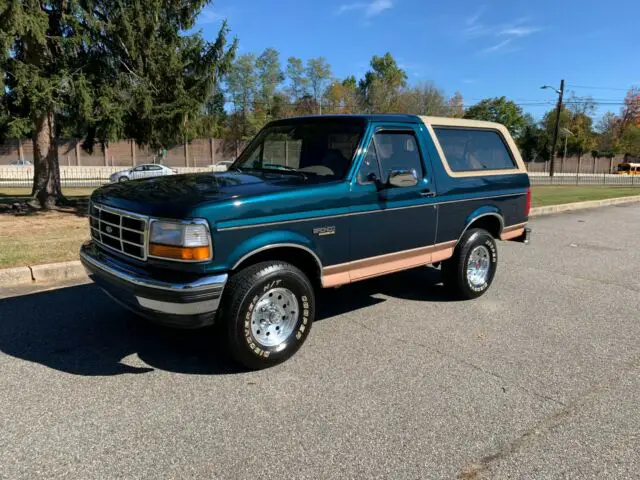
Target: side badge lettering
pixel 324 231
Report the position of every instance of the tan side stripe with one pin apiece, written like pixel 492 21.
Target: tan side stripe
pixel 514 227
pixel 514 231
pixel 512 234
pixel 394 262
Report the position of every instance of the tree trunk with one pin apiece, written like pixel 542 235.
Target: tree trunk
pixel 579 162
pixel 46 176
pixel 20 151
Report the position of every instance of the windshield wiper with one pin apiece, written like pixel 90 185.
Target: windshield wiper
pixel 278 170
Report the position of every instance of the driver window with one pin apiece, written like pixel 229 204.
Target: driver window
pixel 398 151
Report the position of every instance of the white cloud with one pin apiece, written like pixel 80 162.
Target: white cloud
pixel 504 35
pixel 211 15
pixel 469 81
pixel 350 6
pixel 412 69
pixel 377 7
pixel 502 47
pixel 520 31
pixel 208 15
pixel 475 18
pixel 369 9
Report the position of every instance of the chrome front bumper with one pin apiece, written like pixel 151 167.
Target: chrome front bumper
pixel 191 302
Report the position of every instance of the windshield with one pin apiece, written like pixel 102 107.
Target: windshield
pixel 322 150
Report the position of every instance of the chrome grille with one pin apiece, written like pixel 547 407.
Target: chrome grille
pixel 118 230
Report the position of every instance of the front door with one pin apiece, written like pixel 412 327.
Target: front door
pixel 393 227
pixel 138 172
pixel 154 171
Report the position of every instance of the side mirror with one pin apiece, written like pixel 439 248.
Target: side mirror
pixel 402 178
pixel 373 179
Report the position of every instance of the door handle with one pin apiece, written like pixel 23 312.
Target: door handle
pixel 427 193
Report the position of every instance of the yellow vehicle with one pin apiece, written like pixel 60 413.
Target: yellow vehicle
pixel 629 169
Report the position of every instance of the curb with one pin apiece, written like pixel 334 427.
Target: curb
pixel 58 272
pixel 42 274
pixel 11 277
pixel 571 207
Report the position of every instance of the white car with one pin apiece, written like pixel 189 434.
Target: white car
pixel 21 163
pixel 142 171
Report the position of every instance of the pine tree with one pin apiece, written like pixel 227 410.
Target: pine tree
pixel 104 70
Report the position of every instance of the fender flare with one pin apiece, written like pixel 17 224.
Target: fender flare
pixel 272 240
pixel 481 213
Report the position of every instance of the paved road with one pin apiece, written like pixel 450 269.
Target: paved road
pixel 538 379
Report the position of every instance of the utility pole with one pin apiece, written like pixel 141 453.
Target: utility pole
pixel 556 130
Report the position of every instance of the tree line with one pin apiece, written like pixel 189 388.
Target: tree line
pixel 260 89
pixel 580 135
pixel 100 71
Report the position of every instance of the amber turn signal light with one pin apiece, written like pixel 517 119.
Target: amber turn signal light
pixel 188 254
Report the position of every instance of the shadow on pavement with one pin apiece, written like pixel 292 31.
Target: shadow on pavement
pixel 79 330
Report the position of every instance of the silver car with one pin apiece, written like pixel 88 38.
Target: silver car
pixel 21 163
pixel 142 171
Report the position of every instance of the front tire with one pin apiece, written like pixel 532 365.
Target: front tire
pixel 471 270
pixel 123 179
pixel 267 313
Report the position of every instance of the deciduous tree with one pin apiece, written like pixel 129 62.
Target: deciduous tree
pixel 318 73
pixel 499 110
pixel 242 84
pixel 456 105
pixel 298 83
pixel 342 97
pixel 423 99
pixel 269 76
pixel 382 85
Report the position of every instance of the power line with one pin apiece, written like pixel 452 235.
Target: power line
pixel 618 89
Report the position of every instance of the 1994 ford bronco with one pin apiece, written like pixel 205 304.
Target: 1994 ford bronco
pixel 311 202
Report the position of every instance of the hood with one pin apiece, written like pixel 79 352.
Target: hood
pixel 175 196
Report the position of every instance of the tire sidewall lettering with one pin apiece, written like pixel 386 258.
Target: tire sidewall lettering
pixel 491 246
pixel 302 325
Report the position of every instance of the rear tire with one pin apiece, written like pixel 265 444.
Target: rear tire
pixel 267 313
pixel 471 270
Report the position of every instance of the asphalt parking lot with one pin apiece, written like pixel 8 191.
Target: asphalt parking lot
pixel 540 378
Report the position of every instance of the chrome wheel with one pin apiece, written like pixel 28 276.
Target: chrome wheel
pixel 275 316
pixel 478 266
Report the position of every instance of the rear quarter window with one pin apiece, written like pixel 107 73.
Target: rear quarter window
pixel 474 150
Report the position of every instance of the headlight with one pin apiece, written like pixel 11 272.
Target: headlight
pixel 188 242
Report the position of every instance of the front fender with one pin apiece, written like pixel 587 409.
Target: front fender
pixel 268 240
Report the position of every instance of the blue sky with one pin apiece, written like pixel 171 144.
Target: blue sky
pixel 488 49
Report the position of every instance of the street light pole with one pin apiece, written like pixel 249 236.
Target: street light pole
pixel 552 168
pixel 566 133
